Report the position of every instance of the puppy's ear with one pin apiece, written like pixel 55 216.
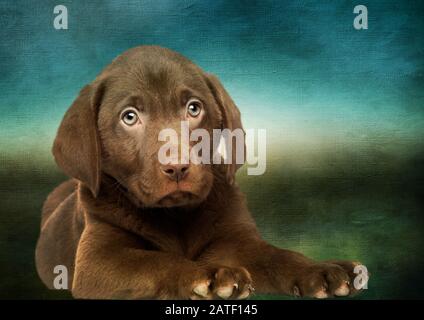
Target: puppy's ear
pixel 230 120
pixel 77 146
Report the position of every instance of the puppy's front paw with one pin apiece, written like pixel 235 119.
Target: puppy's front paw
pixel 327 279
pixel 222 283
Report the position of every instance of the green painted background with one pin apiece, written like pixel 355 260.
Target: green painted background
pixel 343 109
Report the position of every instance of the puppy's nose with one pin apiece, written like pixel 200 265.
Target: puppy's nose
pixel 175 172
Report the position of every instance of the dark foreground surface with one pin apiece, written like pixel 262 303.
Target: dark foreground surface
pixel 361 209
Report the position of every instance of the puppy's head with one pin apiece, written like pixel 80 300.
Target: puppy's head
pixel 111 131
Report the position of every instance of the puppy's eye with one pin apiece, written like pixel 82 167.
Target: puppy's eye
pixel 194 107
pixel 129 117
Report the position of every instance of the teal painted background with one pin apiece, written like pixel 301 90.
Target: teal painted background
pixel 343 109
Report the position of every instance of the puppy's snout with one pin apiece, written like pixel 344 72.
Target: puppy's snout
pixel 175 172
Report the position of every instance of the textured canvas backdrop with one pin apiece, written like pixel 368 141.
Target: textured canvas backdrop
pixel 343 111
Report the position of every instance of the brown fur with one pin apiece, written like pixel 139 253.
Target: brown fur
pixel 120 227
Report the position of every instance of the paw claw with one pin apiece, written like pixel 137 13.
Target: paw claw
pixel 343 290
pixel 202 289
pixel 321 294
pixel 250 288
pixel 296 291
pixel 224 292
pixel 244 295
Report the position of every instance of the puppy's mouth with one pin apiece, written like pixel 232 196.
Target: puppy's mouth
pixel 177 198
pixel 177 194
pixel 184 193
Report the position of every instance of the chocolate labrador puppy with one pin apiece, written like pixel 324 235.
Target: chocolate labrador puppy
pixel 126 226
